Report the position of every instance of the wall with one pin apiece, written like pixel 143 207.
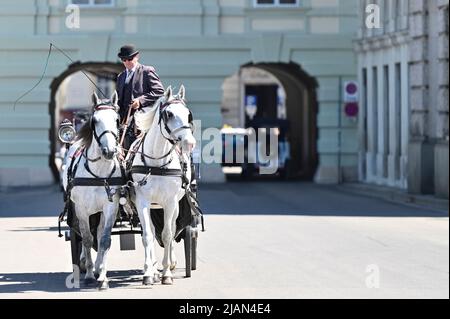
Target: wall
pixel 198 43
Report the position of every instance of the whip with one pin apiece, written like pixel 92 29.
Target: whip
pixel 45 70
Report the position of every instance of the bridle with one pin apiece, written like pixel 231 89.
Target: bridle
pixel 165 116
pixel 96 180
pixel 100 107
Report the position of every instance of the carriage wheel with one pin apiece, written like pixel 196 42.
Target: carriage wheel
pixel 75 245
pixel 194 236
pixel 188 250
pixel 194 253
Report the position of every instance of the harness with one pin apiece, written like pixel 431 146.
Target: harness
pixel 164 116
pixel 95 180
pixel 163 170
pixel 145 169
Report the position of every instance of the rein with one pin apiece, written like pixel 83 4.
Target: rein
pixel 162 170
pixel 97 180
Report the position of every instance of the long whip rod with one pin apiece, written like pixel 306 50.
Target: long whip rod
pixel 45 70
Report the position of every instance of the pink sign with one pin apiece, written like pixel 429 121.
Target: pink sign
pixel 351 109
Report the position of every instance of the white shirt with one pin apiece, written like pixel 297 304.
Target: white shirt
pixel 130 74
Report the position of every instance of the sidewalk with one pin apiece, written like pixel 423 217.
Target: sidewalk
pixel 258 198
pixel 31 201
pixel 395 195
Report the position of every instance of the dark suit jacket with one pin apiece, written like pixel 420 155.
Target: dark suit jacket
pixel 146 86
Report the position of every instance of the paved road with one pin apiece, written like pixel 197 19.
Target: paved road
pixel 263 240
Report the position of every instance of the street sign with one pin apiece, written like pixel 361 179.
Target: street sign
pixel 351 109
pixel 351 98
pixel 350 91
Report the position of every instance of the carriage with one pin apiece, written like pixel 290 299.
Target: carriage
pixel 126 227
pixel 127 216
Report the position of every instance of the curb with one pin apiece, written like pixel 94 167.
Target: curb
pixel 396 195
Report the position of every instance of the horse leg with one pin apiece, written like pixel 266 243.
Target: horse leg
pixel 100 228
pixel 82 260
pixel 104 244
pixel 170 216
pixel 153 257
pixel 147 240
pixel 173 257
pixel 87 241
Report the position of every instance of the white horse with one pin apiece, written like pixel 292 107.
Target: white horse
pixel 95 157
pixel 167 127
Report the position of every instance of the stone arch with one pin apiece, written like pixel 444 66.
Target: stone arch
pixel 105 69
pixel 301 107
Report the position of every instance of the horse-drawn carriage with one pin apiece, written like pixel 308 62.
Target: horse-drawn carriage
pixel 152 191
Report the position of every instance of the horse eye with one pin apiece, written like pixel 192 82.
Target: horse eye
pixel 170 115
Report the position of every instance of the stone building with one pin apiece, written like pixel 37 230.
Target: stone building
pixel 403 72
pixel 305 44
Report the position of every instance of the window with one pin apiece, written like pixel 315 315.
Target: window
pixel 365 128
pixel 276 3
pixel 386 119
pixel 374 116
pixel 93 2
pixel 398 118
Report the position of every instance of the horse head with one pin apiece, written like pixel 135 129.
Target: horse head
pixel 105 124
pixel 178 119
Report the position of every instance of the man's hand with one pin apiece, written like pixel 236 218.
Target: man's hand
pixel 135 104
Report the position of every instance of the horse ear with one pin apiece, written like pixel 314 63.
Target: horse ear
pixel 168 93
pixel 114 98
pixel 181 92
pixel 95 99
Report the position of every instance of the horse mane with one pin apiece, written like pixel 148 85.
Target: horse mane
pixel 85 134
pixel 144 117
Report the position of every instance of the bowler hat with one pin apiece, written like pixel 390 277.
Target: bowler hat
pixel 127 51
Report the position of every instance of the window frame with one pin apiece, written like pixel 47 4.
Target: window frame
pixel 92 4
pixel 276 4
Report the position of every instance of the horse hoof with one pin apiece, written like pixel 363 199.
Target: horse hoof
pixel 167 281
pixel 156 278
pixel 89 281
pixel 148 280
pixel 103 285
